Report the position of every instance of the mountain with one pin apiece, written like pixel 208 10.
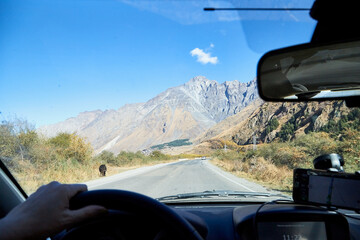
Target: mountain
pixel 182 112
pixel 293 119
pixel 275 120
pixel 227 124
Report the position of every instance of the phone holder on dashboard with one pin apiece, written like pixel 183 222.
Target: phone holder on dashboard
pixel 332 162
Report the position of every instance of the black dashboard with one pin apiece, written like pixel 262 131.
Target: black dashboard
pixel 273 221
pixel 240 221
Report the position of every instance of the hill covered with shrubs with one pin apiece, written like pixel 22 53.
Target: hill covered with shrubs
pixel 291 136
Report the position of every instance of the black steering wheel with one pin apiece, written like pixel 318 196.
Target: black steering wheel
pixel 138 204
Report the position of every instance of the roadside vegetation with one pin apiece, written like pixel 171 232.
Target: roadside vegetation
pixel 272 164
pixel 36 160
pixel 67 158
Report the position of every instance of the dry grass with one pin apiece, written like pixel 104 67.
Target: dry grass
pixel 31 178
pixel 259 170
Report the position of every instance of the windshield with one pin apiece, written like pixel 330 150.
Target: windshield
pixel 157 97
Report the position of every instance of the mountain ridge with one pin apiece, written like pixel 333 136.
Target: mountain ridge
pixel 181 112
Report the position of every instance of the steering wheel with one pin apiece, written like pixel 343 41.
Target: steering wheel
pixel 138 204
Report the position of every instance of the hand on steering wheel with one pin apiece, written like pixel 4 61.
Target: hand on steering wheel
pixel 138 204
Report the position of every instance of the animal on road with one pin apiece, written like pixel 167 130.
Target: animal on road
pixel 102 170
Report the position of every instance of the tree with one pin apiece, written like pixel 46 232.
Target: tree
pixel 273 124
pixel 16 137
pixel 157 155
pixel 70 145
pixel 79 149
pixel 7 140
pixel 107 157
pixel 28 138
pixel 287 131
pixel 62 140
pixel 354 114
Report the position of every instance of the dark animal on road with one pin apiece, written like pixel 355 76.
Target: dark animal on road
pixel 102 170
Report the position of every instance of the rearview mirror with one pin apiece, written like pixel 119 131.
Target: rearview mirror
pixel 310 72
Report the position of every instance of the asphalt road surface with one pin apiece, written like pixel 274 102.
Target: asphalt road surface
pixel 175 178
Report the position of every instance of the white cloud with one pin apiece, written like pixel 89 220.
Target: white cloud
pixel 203 57
pixel 212 45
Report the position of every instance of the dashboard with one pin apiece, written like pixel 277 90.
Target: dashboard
pixel 271 221
pixel 283 221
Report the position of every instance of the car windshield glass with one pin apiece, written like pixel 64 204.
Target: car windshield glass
pixel 158 97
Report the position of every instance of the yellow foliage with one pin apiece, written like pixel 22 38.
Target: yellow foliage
pixel 79 149
pixel 257 169
pixel 220 144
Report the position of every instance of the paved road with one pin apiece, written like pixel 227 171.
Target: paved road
pixel 175 178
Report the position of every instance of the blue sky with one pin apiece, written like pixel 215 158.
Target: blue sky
pixel 60 58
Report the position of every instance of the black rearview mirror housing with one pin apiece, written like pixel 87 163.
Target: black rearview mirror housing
pixel 311 72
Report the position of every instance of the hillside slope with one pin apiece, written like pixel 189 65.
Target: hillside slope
pixel 182 112
pixel 292 119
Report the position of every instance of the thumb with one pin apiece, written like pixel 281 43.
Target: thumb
pixel 86 213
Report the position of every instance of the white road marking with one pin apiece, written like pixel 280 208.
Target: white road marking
pixel 222 175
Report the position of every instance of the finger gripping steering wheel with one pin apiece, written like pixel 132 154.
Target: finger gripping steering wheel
pixel 137 204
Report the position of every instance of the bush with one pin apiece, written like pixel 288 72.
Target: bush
pixel 228 155
pixel 316 143
pixel 157 155
pixel 124 158
pixel 36 160
pixel 349 121
pixel 70 145
pixel 350 146
pixel 253 166
pixel 8 140
pixel 221 143
pixel 287 131
pixel 354 114
pixel 107 157
pixel 273 124
pixel 62 140
pixel 282 154
pixel 17 139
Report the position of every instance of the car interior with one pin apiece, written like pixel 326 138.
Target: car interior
pixel 307 215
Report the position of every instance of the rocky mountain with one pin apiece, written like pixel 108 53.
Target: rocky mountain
pixel 225 126
pixel 182 112
pixel 275 120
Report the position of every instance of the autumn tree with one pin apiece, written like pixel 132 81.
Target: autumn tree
pixel 72 146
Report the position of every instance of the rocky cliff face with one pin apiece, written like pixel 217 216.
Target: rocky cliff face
pixel 181 112
pixel 304 117
pixel 221 100
pixel 225 128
